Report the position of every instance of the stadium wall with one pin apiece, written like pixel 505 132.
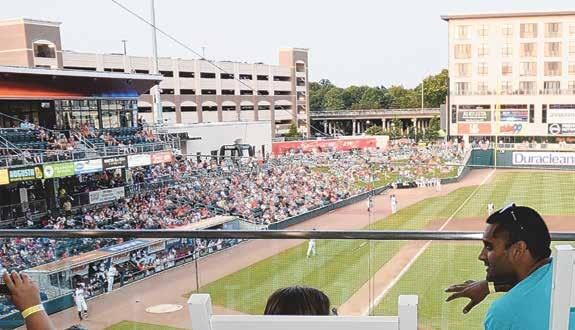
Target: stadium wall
pixel 561 160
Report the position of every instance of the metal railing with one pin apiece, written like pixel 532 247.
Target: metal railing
pixel 375 235
pixel 379 112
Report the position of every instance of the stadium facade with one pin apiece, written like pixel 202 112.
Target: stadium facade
pixel 512 75
pixel 193 90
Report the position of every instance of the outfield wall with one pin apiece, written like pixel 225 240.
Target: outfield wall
pixel 561 160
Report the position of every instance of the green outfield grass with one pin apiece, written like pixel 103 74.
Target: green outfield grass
pixel 342 266
pixel 129 325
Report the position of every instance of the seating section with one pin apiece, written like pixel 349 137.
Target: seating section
pixel 26 139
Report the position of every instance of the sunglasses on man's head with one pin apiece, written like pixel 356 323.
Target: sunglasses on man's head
pixel 511 208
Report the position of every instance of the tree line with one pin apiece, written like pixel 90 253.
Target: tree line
pixel 325 96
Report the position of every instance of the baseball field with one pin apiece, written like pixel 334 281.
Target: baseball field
pixel 360 277
pixel 342 268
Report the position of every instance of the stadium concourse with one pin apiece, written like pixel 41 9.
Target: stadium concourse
pixel 173 287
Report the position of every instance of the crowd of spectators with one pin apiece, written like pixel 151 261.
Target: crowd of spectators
pixel 257 191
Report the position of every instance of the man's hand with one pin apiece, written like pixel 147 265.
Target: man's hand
pixel 476 291
pixel 23 292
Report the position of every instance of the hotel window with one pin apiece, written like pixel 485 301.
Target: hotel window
pixel 552 30
pixel 544 113
pixel 482 87
pixel 483 31
pixel 531 113
pixel 506 87
pixel 186 74
pixel 552 49
pixel 527 87
pixel 572 48
pixel 552 69
pixel 572 69
pixel 506 69
pixel 483 50
pixel 462 51
pixel 528 30
pixel 551 86
pixel 528 49
pixel 226 76
pixel 462 88
pixel 167 73
pixel 462 69
pixel 507 30
pixel 507 50
pixel 207 75
pixel 572 87
pixel 482 69
pixel 528 69
pixel 463 32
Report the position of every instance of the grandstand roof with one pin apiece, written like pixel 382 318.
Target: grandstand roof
pixel 23 82
pixel 507 14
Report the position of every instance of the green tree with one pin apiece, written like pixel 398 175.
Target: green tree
pixel 396 126
pixel 401 97
pixel 352 96
pixel 333 99
pixel 434 89
pixel 432 132
pixel 317 91
pixel 371 99
pixel 292 131
pixel 374 130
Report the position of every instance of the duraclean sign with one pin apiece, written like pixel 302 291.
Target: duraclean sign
pixel 544 158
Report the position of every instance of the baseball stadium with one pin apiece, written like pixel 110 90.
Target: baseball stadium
pixel 167 193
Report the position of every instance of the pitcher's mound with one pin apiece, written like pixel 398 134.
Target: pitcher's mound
pixel 163 308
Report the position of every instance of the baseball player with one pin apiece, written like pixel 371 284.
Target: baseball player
pixel 80 301
pixel 311 247
pixel 393 202
pixel 112 272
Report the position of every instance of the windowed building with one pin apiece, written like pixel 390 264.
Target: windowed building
pixel 512 74
pixel 192 90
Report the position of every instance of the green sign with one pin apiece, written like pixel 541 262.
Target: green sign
pixel 59 170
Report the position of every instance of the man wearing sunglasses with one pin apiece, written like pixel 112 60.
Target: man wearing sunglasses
pixel 516 251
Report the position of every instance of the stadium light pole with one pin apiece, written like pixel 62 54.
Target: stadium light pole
pixel 158 114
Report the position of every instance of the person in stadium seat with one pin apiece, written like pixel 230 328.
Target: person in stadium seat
pixel 516 251
pixel 24 294
pixel 298 300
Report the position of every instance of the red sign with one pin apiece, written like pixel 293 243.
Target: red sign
pixel 279 148
pixel 479 128
pixel 161 157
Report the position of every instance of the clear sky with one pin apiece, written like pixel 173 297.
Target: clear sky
pixel 371 42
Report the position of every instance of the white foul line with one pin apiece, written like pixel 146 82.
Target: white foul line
pixel 380 297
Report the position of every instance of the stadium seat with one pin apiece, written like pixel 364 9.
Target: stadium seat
pixel 200 307
pixel 563 288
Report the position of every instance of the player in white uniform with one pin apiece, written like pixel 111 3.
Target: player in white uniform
pixel 112 272
pixel 80 301
pixel 311 247
pixel 393 202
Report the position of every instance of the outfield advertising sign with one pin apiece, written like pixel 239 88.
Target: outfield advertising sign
pixel 25 173
pixel 107 195
pixel 4 176
pixel 139 160
pixel 113 163
pixel 473 115
pixel 544 158
pixel 59 170
pixel 88 166
pixel 561 129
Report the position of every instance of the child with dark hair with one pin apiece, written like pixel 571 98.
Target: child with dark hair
pixel 297 300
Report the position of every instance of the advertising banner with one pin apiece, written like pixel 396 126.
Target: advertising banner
pixel 106 195
pixel 279 148
pixel 562 116
pixel 113 163
pixel 88 166
pixel 544 158
pixel 25 173
pixel 511 129
pixel 4 176
pixel 139 160
pixel 476 129
pixel 162 157
pixel 474 115
pixel 125 246
pixel 561 129
pixel 515 115
pixel 59 170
